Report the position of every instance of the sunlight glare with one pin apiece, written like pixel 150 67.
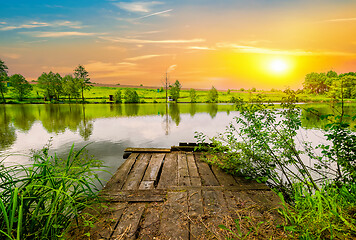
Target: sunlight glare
pixel 278 66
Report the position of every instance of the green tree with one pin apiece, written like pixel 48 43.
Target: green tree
pixel 343 87
pixel 52 84
pixel 118 96
pixel 193 95
pixel 83 76
pixel 20 86
pixel 71 87
pixel 317 83
pixel 174 90
pixel 3 80
pixel 213 95
pixel 131 96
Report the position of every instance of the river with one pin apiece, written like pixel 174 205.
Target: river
pixel 110 128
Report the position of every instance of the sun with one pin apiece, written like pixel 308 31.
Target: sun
pixel 278 66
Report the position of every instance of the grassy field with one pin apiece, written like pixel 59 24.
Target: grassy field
pixel 100 94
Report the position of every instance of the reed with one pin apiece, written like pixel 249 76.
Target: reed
pixel 38 201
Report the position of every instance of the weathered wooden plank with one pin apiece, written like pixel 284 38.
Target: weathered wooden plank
pixel 193 171
pixel 148 150
pixel 174 222
pixel 134 178
pixel 149 228
pixel 221 188
pixel 146 185
pixel 224 178
pixel 206 175
pixel 215 210
pixel 195 213
pixel 154 195
pixel 169 173
pixel 128 225
pixel 104 216
pixel 183 174
pixel 154 167
pixel 119 178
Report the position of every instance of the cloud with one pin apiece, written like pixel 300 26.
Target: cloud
pixel 35 24
pixel 143 57
pixel 171 68
pixel 59 34
pixel 294 52
pixel 108 69
pixel 3 22
pixel 143 7
pixel 141 41
pixel 156 13
pixel 11 55
pixel 341 20
pixel 200 48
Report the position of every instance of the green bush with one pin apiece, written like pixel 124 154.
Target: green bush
pixel 40 200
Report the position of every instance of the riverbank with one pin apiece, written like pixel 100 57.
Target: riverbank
pixel 101 94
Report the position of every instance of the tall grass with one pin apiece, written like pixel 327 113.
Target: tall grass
pixel 38 201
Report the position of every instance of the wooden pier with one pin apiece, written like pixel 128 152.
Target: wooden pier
pixel 172 194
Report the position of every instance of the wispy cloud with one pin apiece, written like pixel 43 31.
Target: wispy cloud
pixel 112 69
pixel 142 41
pixel 11 55
pixel 171 68
pixel 59 34
pixel 143 7
pixel 2 22
pixel 200 48
pixel 164 13
pixel 143 57
pixel 271 51
pixel 35 24
pixel 341 20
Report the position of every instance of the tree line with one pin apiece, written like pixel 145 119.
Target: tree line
pixel 330 83
pixel 53 85
pixel 72 86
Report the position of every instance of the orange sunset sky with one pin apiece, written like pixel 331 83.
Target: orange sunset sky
pixel 228 44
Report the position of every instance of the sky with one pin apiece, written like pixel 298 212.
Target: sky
pixel 229 44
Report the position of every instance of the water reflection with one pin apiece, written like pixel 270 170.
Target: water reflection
pixel 7 131
pixel 79 119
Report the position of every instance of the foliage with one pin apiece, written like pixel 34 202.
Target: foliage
pixel 325 214
pixel 213 95
pixel 262 146
pixel 174 90
pixel 3 80
pixel 20 86
pixel 71 87
pixel 316 83
pixel 131 96
pixel 40 200
pixel 193 95
pixel 82 76
pixel 118 97
pixel 343 87
pixel 52 84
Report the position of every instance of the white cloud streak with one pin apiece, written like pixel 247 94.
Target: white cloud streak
pixel 142 41
pixel 35 24
pixel 200 48
pixel 155 14
pixel 143 57
pixel 143 7
pixel 59 34
pixel 341 20
pixel 293 52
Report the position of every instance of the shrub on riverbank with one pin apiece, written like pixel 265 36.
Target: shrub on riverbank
pixel 262 145
pixel 38 201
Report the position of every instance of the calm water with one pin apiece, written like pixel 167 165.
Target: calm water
pixel 109 129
